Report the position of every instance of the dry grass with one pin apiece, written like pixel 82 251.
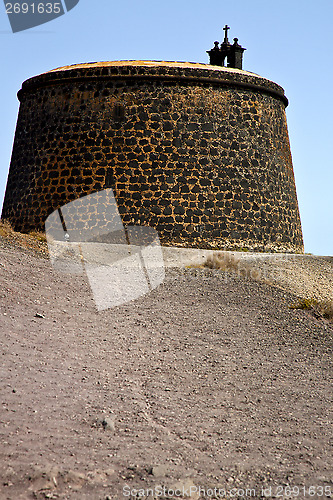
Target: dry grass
pixel 6 230
pixel 328 310
pixel 323 309
pixel 38 235
pixel 229 262
pixel 34 241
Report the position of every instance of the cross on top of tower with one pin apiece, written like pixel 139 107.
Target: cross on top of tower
pixel 225 29
pixel 233 53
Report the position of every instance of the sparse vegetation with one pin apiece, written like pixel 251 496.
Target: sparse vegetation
pixel 6 230
pixel 222 260
pixel 328 310
pixel 35 240
pixel 305 304
pixel 38 235
pixel 195 266
pixel 323 309
pixel 228 262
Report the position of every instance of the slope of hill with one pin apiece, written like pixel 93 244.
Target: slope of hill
pixel 209 381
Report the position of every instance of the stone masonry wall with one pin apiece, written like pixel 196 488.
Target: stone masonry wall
pixel 200 154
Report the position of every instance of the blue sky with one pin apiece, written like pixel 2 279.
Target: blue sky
pixel 289 41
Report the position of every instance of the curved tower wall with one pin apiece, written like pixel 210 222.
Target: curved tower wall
pixel 198 152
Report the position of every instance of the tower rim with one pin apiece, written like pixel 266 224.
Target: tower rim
pixel 167 71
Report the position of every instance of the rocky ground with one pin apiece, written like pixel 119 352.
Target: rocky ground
pixel 210 381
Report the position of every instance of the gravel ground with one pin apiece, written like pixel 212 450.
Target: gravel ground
pixel 209 381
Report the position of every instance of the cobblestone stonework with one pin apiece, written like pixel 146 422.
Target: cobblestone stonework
pixel 200 153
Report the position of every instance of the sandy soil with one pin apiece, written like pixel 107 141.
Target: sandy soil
pixel 210 381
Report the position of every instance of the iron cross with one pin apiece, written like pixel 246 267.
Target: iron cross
pixel 225 29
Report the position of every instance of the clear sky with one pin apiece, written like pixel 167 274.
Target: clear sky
pixel 289 41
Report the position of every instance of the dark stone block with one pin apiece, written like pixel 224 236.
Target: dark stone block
pixel 168 125
pixel 208 127
pixel 179 210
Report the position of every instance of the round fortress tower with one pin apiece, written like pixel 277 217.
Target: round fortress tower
pixel 199 152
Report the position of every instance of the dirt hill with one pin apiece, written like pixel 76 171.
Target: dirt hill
pixel 210 381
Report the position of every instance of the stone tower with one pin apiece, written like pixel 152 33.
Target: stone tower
pixel 199 152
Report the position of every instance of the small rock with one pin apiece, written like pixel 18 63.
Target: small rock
pixel 159 470
pixel 75 480
pixel 38 315
pixel 108 424
pixel 99 476
pixel 44 479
